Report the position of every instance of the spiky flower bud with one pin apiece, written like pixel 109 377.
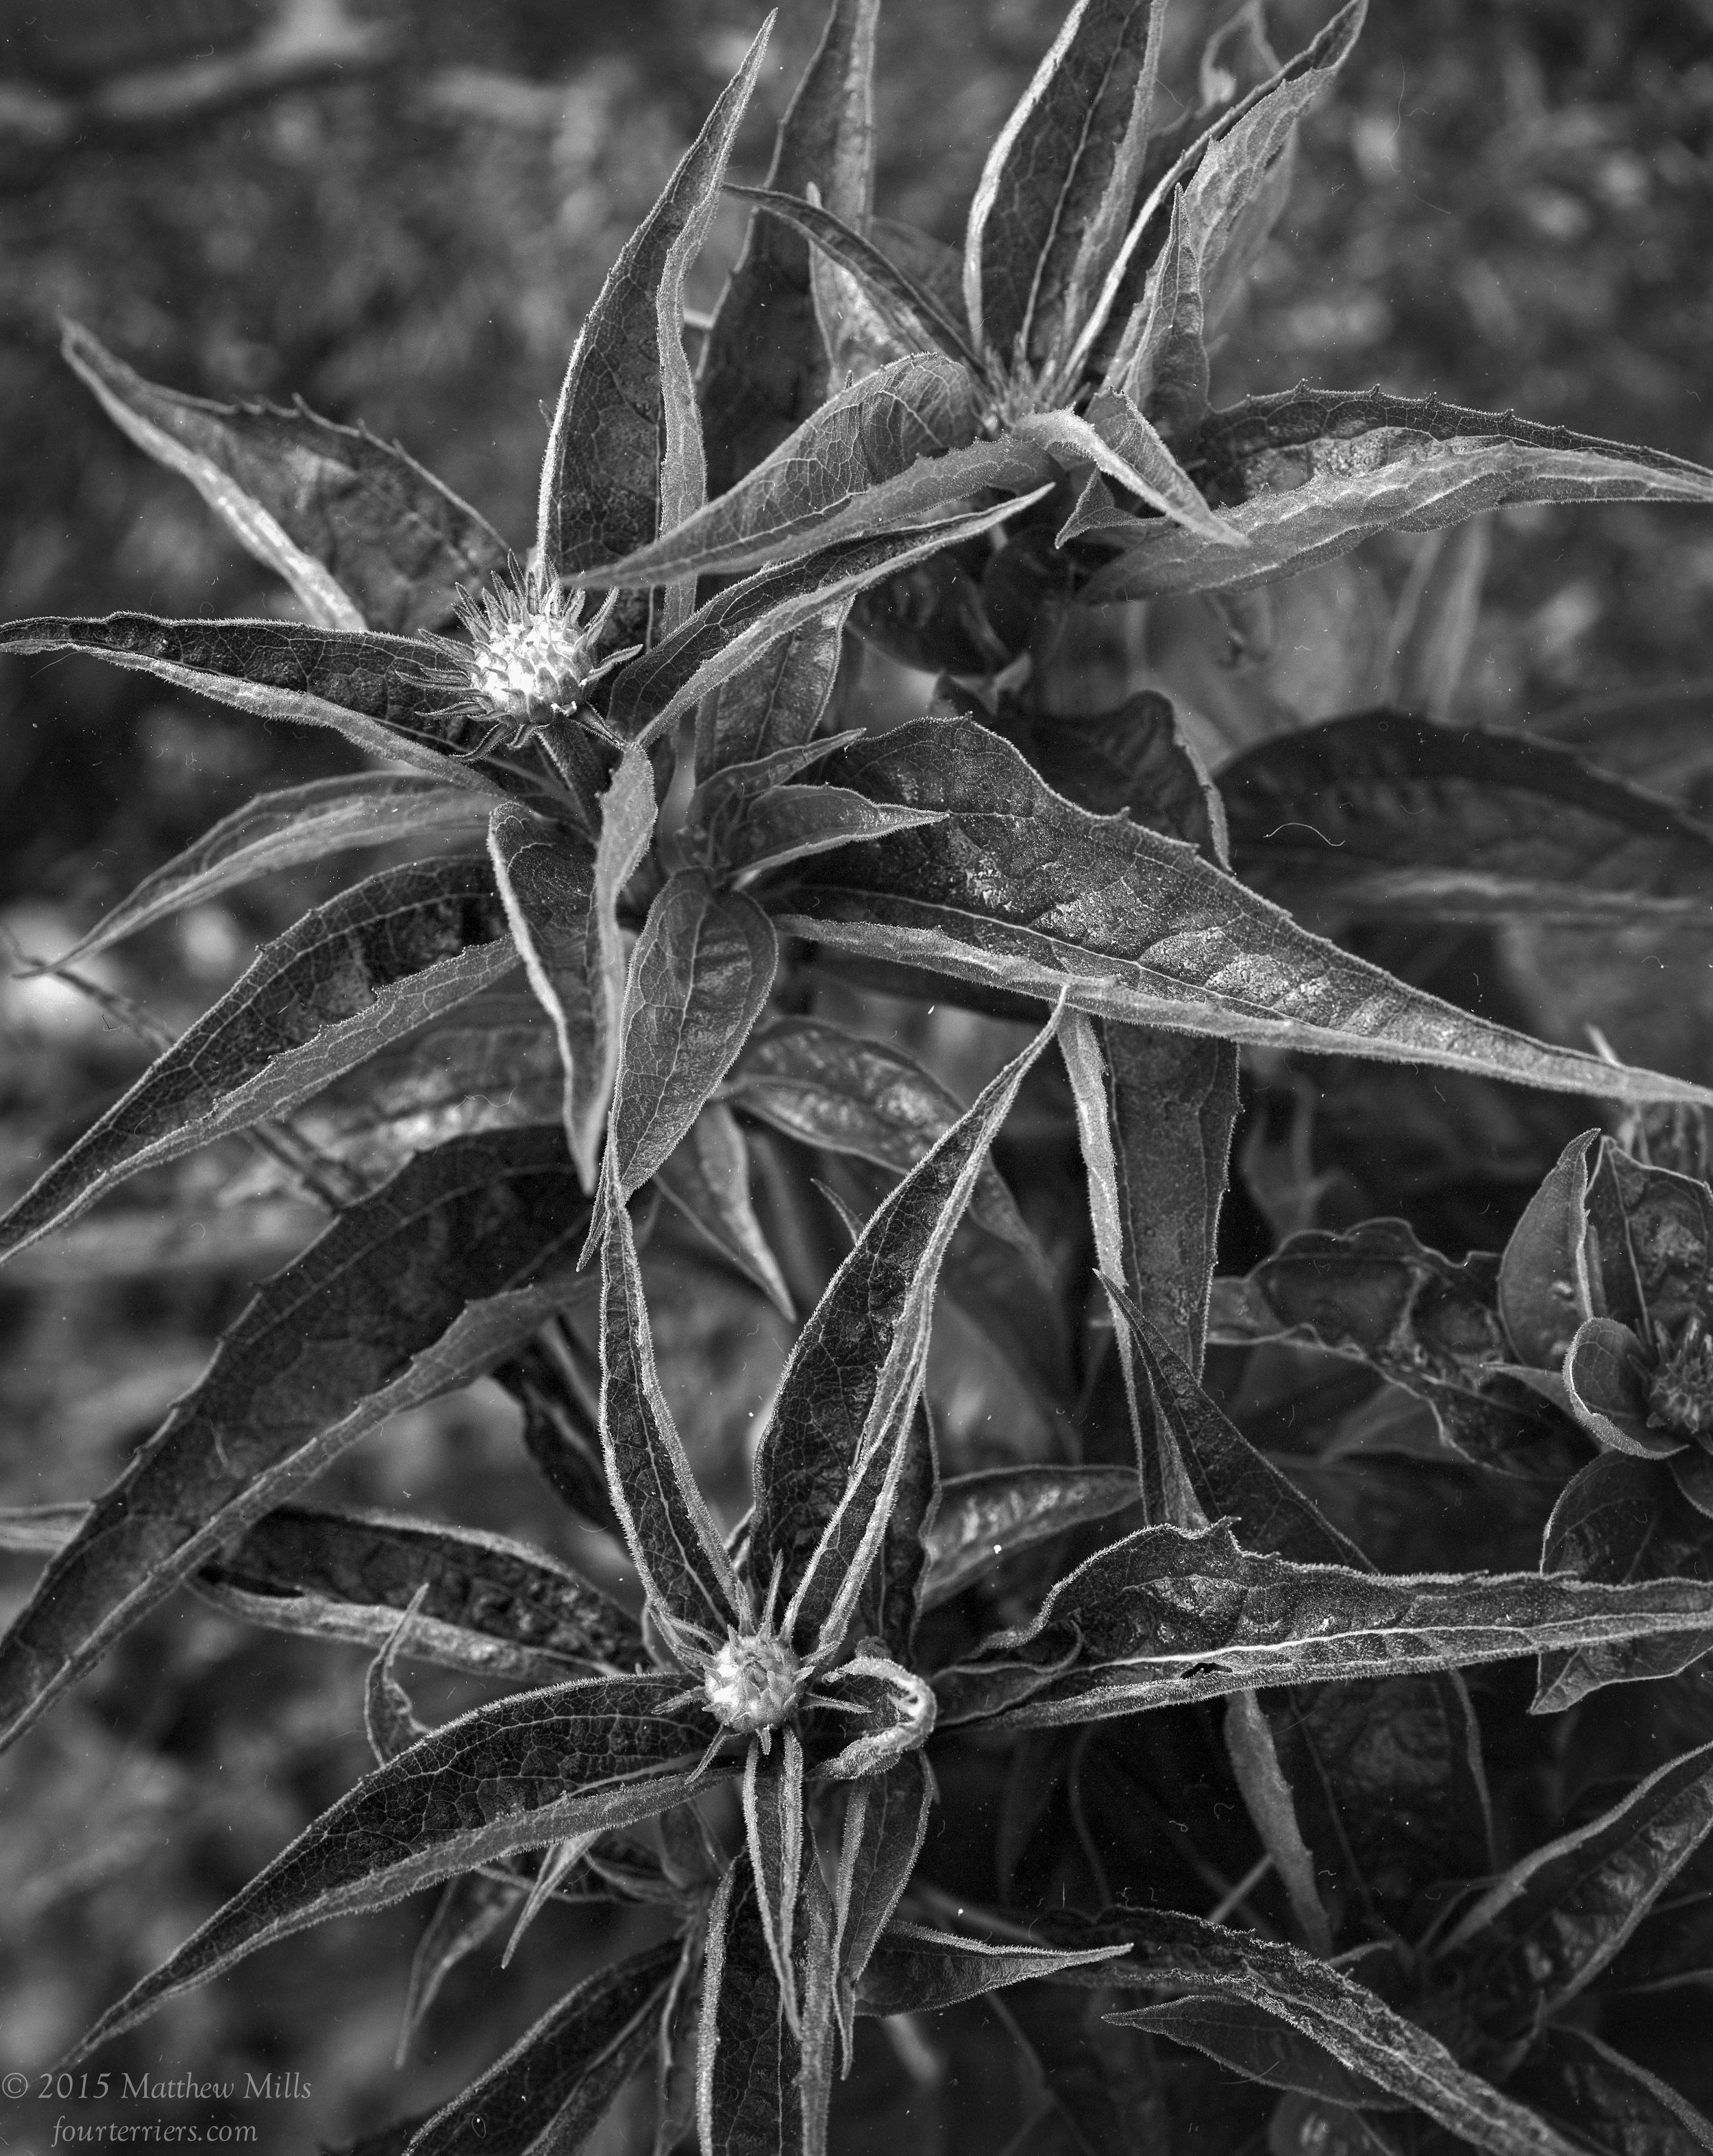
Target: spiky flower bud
pixel 752 1681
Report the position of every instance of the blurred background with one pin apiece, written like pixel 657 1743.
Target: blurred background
pixel 399 210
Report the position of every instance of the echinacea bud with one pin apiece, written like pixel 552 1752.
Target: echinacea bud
pixel 752 1681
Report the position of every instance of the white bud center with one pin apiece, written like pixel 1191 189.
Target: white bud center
pixel 752 1681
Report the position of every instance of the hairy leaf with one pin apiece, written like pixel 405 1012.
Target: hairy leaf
pixel 411 1292
pixel 886 1823
pixel 914 1970
pixel 361 532
pixel 724 636
pixel 605 484
pixel 1544 1292
pixel 278 831
pixel 1310 473
pixel 763 369
pixel 985 1517
pixel 384 694
pixel 699 974
pixel 1125 447
pixel 1260 2045
pixel 557 2083
pixel 1162 1617
pixel 518 1774
pixel 1054 196
pixel 777 703
pixel 788 823
pixel 1018 890
pixel 369 966
pixel 1382 816
pixel 763 2084
pixel 852 1377
pixel 707 1177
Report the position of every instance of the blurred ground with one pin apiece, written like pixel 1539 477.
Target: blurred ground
pixel 1508 200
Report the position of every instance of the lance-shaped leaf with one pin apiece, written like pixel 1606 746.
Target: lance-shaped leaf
pixel 886 1823
pixel 1055 194
pixel 1125 447
pixel 985 1517
pixel 1018 890
pixel 1163 1617
pixel 1346 2021
pixel 853 1372
pixel 1133 757
pixel 1607 2102
pixel 900 422
pixel 679 1552
pixel 698 976
pixel 734 629
pixel 764 368
pixel 278 831
pixel 413 1290
pixel 627 383
pixel 384 694
pixel 914 1970
pixel 788 823
pixel 776 704
pixel 558 2081
pixel 773 1834
pixel 764 2079
pixel 560 890
pixel 1622 1518
pixel 1546 1927
pixel 490 1603
pixel 471 1908
pixel 1310 473
pixel 840 1091
pixel 707 1178
pixel 361 532
pixel 1260 2046
pixel 1381 816
pixel 603 1751
pixel 1161 361
pixel 1376 1293
pixel 369 966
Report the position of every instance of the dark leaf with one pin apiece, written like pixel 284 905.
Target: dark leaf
pixel 558 1387
pixel 605 486
pixel 412 1291
pixel 913 1971
pixel 778 703
pixel 1377 1294
pixel 1310 473
pixel 471 1908
pixel 885 1825
pixel 1607 2102
pixel 1161 362
pixel 762 2086
pixel 985 1517
pixel 1260 2045
pixel 278 831
pixel 1546 1927
pixel 557 2083
pixel 361 532
pixel 1135 758
pixel 773 1834
pixel 763 370
pixel 518 1774
pixel 1381 816
pixel 369 966
pixel 1020 891
pixel 1605 1384
pixel 727 635
pixel 384 694
pixel 1163 1616
pixel 1055 195
pixel 788 823
pixel 847 1390
pixel 1545 1294
pixel 699 975
pixel 707 1177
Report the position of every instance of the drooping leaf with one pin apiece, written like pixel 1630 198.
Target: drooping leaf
pixel 1621 1518
pixel 1606 2100
pixel 1381 816
pixel 491 1603
pixel 1055 194
pixel 1546 1928
pixel 413 1290
pixel 985 1517
pixel 724 636
pixel 518 1774
pixel 681 1557
pixel 1349 2022
pixel 628 382
pixel 763 369
pixel 278 831
pixel 777 703
pixel 881 1835
pixel 848 1389
pixel 368 967
pixel 471 1908
pixel 387 694
pixel 1304 476
pixel 1163 1617
pixel 1376 1293
pixel 560 890
pixel 914 1970
pixel 1018 890
pixel 362 533
pixel 699 975
pixel 557 2082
